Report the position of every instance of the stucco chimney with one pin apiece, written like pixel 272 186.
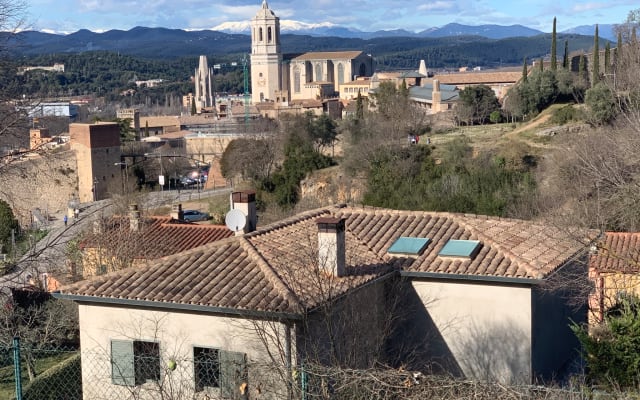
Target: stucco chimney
pixel 177 212
pixel 245 201
pixel 331 245
pixel 134 217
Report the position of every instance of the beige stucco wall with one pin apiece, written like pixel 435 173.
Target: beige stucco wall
pixel 176 333
pixel 486 328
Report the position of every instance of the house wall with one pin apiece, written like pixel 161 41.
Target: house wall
pixel 482 330
pixel 351 332
pixel 176 333
pixel 555 346
pixel 609 286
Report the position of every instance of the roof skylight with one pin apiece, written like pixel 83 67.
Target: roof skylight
pixel 460 248
pixel 409 246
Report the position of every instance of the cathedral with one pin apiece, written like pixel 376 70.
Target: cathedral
pixel 316 75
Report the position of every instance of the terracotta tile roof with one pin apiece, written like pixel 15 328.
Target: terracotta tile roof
pixel 510 248
pixel 157 236
pixel 476 78
pixel 617 251
pixel 275 269
pixel 329 55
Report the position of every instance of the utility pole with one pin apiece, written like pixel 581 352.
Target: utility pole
pixel 246 90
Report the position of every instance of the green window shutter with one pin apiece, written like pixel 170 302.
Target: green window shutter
pixel 122 368
pixel 233 373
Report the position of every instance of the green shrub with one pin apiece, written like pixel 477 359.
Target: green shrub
pixel 565 114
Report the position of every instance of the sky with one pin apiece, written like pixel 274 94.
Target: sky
pixel 67 16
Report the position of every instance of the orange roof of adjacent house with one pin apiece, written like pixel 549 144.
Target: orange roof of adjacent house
pixel 617 252
pixel 275 269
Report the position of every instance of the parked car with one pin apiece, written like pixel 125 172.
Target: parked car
pixel 195 215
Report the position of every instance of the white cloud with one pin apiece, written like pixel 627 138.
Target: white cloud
pixel 589 7
pixel 437 6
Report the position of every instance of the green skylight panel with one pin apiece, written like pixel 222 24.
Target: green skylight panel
pixel 460 248
pixel 409 246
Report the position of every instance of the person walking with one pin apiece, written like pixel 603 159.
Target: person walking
pixel 65 219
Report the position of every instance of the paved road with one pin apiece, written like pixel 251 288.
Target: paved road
pixel 49 254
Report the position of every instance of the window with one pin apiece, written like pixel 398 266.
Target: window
pixel 206 368
pixel 134 362
pixel 214 368
pixel 269 39
pixel 260 34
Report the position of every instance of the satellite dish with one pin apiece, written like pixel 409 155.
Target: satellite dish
pixel 235 220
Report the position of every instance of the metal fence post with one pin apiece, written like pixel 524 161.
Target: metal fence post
pixel 16 367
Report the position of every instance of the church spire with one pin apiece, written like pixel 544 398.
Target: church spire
pixel 265 6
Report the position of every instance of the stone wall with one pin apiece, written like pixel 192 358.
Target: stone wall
pixel 45 182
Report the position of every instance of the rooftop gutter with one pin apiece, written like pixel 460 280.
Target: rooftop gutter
pixel 474 278
pixel 176 306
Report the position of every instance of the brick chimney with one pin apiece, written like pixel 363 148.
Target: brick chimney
pixel 245 201
pixel 134 218
pixel 331 245
pixel 177 212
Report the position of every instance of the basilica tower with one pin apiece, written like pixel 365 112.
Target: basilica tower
pixel 266 58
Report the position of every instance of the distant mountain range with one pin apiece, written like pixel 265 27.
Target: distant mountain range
pixel 449 46
pixel 453 29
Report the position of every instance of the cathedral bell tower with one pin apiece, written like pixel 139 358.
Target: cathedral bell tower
pixel 266 58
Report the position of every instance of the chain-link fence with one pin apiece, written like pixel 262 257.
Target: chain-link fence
pixel 137 371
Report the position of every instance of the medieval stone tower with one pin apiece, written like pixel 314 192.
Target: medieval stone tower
pixel 266 58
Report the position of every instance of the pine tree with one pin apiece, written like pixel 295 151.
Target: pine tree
pixel 554 63
pixel 524 70
pixel 595 68
pixel 565 58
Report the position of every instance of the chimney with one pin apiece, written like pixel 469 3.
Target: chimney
pixel 245 201
pixel 134 218
pixel 176 212
pixel 331 245
pixel 436 97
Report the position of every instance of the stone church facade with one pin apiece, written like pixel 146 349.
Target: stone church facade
pixel 315 75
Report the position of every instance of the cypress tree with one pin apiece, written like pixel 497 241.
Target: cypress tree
pixel 541 64
pixel 595 68
pixel 565 58
pixel 607 58
pixel 524 69
pixel 619 45
pixel 193 106
pixel 359 107
pixel 582 72
pixel 554 63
